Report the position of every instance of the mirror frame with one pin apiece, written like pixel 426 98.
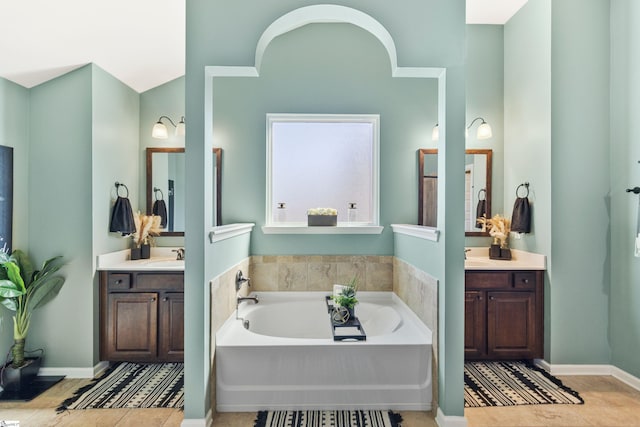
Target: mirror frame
pixel 421 154
pixel 149 186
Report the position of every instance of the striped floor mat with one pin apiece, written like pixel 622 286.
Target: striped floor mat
pixel 328 419
pixel 513 383
pixel 132 385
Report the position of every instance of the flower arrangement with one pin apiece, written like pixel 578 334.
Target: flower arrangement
pixel 322 211
pixel 499 228
pixel 147 226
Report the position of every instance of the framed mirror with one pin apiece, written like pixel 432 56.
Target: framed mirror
pixel 478 172
pixel 165 189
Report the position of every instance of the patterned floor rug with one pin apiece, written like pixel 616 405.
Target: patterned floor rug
pixel 132 385
pixel 513 383
pixel 328 419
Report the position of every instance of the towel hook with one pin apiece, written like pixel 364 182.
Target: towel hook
pixel 485 194
pixel 634 190
pixel 155 191
pixel 526 186
pixel 118 185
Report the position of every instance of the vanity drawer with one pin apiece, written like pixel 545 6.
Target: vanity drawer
pixel 488 279
pixel 524 280
pixel 160 281
pixel 119 281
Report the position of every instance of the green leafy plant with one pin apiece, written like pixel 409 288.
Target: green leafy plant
pixel 22 290
pixel 347 297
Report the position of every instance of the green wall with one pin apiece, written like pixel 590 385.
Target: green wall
pixel 527 127
pixel 14 132
pixel 66 166
pixel 340 69
pixel 556 75
pixel 164 100
pixel 60 214
pixel 625 173
pixel 114 153
pixel 426 34
pixel 580 274
pixel 485 98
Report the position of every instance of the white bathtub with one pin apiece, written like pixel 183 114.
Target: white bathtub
pixel 287 359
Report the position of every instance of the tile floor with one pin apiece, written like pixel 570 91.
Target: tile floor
pixel 608 403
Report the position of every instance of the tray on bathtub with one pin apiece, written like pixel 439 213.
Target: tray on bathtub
pixel 349 331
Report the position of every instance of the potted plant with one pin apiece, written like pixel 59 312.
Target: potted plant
pixel 346 298
pixel 147 226
pixel 22 290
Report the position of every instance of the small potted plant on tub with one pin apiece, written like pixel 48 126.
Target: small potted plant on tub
pixel 344 299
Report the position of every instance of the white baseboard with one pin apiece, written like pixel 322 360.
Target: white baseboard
pixel 617 373
pixel 199 422
pixel 450 421
pixel 75 372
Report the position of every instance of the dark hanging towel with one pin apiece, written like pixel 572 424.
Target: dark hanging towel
pixel 521 216
pixel 160 209
pixel 481 209
pixel 122 217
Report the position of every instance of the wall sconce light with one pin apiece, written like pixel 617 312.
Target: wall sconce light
pixel 160 129
pixel 483 132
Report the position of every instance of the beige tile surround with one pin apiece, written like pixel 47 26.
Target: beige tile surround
pixel 319 273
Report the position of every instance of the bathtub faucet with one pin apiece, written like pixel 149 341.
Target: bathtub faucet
pixel 238 301
pixel 254 299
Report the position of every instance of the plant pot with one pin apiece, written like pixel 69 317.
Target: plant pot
pixel 15 379
pixel 136 253
pixel 322 220
pixel 145 251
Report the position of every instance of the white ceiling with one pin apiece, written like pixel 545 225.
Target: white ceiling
pixel 492 11
pixel 140 42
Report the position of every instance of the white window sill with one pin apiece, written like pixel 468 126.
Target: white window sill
pixel 339 229
pixel 420 231
pixel 227 231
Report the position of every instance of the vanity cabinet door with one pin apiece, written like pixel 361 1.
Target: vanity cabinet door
pixel 475 343
pixel 171 335
pixel 142 316
pixel 511 325
pixel 131 326
pixel 504 314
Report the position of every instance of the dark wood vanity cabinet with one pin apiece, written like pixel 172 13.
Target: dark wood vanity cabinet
pixel 142 316
pixel 504 314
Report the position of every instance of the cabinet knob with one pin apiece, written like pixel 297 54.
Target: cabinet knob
pixel 479 298
pixel 492 298
pixel 165 299
pixel 152 299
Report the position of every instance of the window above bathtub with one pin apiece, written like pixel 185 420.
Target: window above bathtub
pixel 322 161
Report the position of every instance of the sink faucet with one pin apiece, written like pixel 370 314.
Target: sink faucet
pixel 465 253
pixel 180 255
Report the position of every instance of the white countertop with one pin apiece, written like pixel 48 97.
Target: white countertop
pixel 162 259
pixel 478 259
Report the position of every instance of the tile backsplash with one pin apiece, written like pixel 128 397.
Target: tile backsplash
pixel 320 272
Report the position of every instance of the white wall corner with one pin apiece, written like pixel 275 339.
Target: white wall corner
pixel 450 421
